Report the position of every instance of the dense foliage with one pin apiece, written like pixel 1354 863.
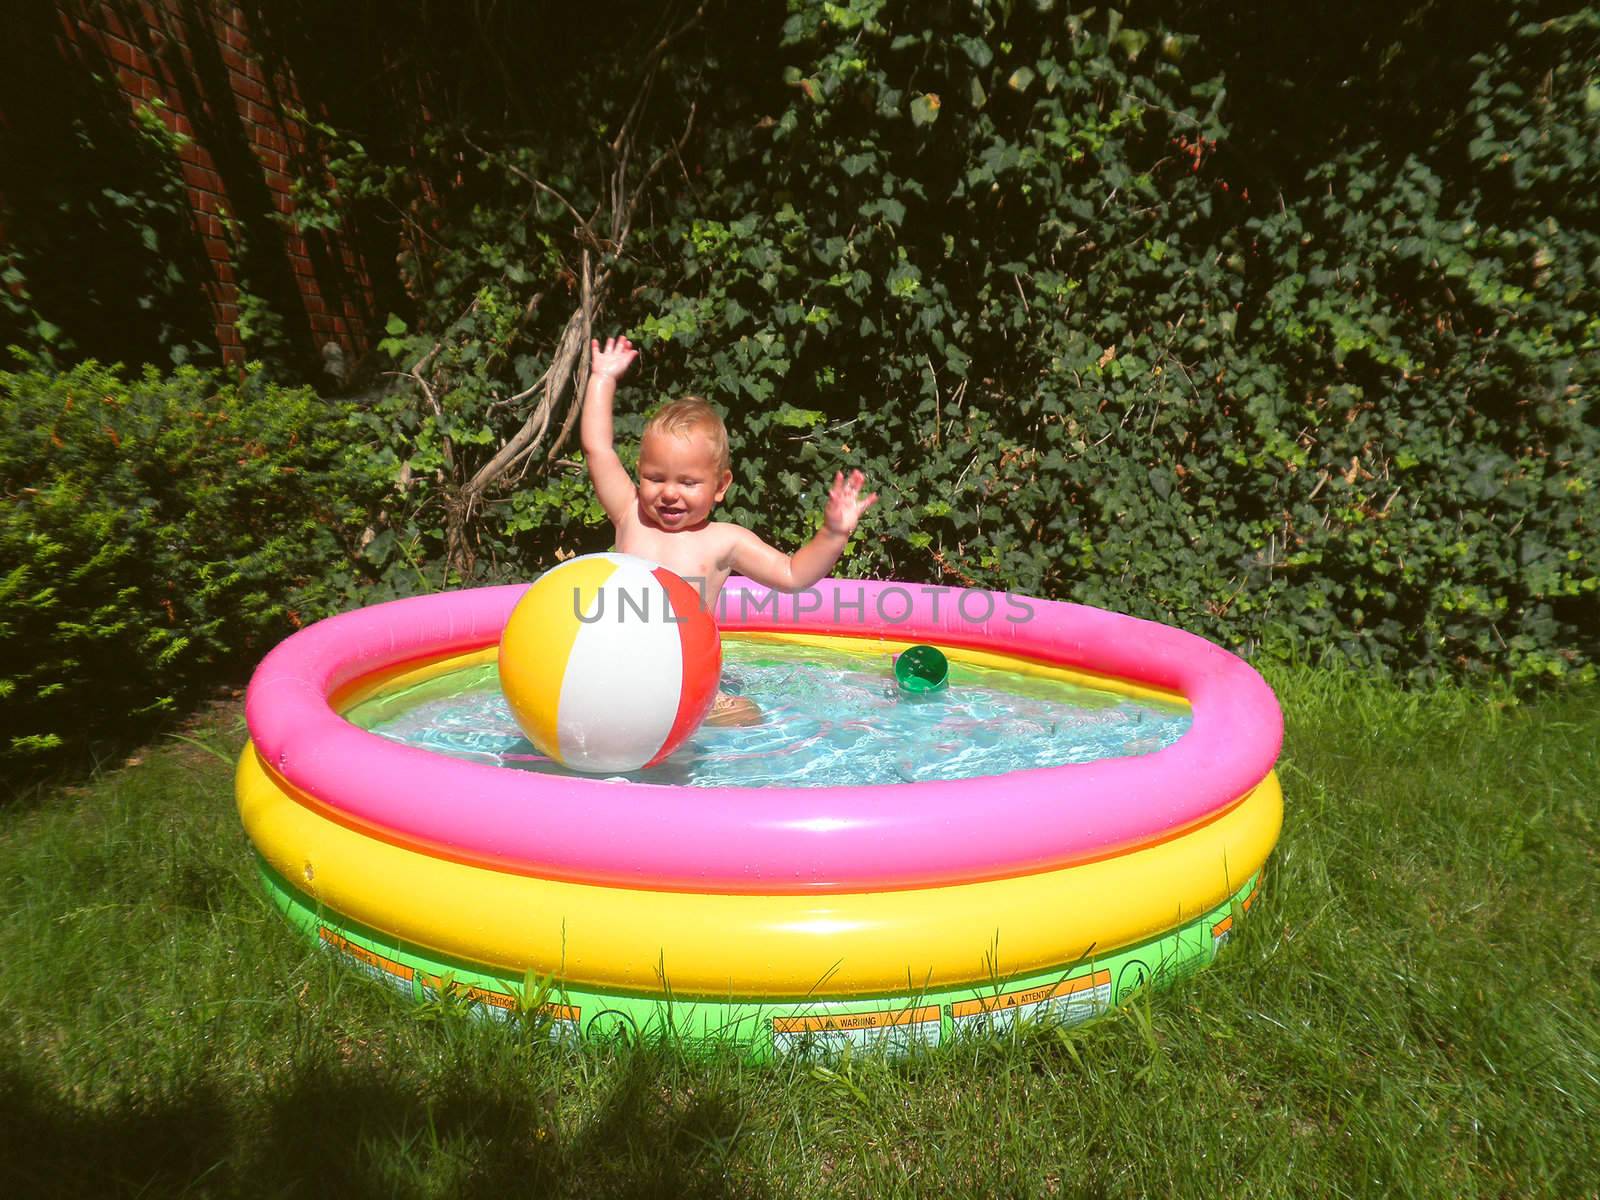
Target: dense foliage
pixel 1013 263
pixel 157 531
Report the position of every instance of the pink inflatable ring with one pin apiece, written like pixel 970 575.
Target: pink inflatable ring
pixel 771 840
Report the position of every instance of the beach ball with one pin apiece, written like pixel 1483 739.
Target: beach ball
pixel 609 662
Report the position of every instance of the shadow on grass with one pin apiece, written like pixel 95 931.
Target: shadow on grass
pixel 52 1147
pixel 352 1133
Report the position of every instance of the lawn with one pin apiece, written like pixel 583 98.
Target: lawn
pixel 1411 1008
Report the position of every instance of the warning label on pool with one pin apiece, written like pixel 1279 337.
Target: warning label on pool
pixel 1223 928
pixel 384 969
pixel 1067 1002
pixel 826 1033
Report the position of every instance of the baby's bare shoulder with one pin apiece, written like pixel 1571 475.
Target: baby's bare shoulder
pixel 724 536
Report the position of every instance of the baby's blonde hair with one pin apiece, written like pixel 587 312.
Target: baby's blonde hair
pixel 691 415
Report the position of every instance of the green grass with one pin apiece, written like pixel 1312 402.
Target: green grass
pixel 1411 1009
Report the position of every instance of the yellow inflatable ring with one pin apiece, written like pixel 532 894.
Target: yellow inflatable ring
pixel 758 945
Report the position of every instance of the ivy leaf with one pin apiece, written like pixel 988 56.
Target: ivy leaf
pixel 1132 42
pixel 925 109
pixel 797 418
pixel 977 51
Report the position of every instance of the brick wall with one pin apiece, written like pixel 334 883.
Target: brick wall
pixel 199 62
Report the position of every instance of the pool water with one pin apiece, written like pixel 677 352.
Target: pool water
pixel 830 718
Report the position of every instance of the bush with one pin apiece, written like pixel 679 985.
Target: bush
pixel 158 532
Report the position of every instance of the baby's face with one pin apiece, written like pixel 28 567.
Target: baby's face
pixel 679 480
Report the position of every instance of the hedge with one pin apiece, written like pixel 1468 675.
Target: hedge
pixel 158 533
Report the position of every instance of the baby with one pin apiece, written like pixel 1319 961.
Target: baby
pixel 683 473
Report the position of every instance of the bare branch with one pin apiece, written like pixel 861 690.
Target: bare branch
pixel 538 422
pixel 654 55
pixel 672 152
pixel 587 231
pixel 580 385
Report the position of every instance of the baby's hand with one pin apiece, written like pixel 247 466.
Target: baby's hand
pixel 611 362
pixel 846 503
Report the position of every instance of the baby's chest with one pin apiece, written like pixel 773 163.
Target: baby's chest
pixel 685 554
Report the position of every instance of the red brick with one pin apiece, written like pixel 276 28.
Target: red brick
pixel 249 89
pixel 271 160
pixel 232 59
pixel 217 248
pixel 201 177
pixel 313 304
pixel 111 23
pixel 207 202
pixel 119 51
pixel 223 272
pixel 211 226
pixel 151 88
pixel 265 135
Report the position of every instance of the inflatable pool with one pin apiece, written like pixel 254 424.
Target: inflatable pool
pixel 775 919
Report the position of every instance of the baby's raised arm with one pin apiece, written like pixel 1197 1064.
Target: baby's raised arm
pixel 612 483
pixel 771 567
